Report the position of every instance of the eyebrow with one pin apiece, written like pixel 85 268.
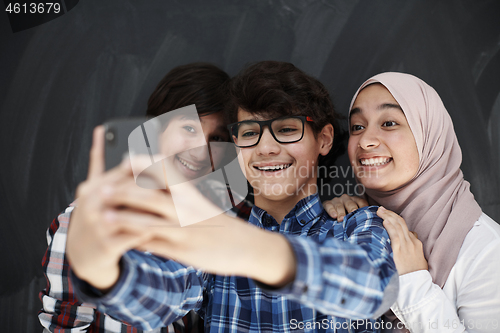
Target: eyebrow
pixel 389 106
pixel 383 106
pixel 221 129
pixel 189 117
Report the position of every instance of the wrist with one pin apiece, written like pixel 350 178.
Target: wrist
pixel 273 261
pixel 103 279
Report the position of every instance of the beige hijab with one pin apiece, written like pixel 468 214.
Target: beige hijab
pixel 437 203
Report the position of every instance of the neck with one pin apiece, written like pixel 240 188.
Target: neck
pixel 278 208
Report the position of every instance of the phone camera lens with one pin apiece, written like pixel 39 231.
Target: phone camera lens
pixel 110 136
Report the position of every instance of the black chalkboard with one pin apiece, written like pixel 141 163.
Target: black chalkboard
pixel 102 59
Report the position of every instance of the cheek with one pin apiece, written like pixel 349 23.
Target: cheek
pixel 408 152
pixel 165 143
pixel 172 142
pixel 351 148
pixel 217 157
pixel 413 160
pixel 241 161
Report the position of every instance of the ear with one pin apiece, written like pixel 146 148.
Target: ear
pixel 325 139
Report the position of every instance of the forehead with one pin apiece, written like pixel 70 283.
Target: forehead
pixel 374 97
pixel 212 118
pixel 213 122
pixel 374 91
pixel 263 115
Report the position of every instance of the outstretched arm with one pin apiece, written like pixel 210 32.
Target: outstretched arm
pixel 350 277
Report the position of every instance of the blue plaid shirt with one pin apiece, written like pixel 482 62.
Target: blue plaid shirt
pixel 344 270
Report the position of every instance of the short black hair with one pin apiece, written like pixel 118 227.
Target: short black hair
pixel 202 84
pixel 274 89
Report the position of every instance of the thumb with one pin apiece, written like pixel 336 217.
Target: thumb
pixel 96 160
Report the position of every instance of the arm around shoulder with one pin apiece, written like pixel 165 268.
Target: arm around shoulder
pixel 353 278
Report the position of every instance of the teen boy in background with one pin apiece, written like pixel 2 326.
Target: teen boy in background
pixel 201 84
pixel 291 267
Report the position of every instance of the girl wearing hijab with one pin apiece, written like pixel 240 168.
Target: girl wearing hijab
pixel 404 150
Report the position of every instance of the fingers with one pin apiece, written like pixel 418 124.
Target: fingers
pixel 336 208
pixel 349 203
pixel 330 205
pixel 395 234
pixel 360 201
pixel 152 176
pixel 122 242
pixel 398 230
pixel 156 246
pixel 339 207
pixel 132 221
pixel 127 193
pixel 96 161
pixel 99 181
pixel 407 248
pixel 395 226
pixel 129 229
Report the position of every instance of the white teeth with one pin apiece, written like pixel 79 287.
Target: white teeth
pixel 187 165
pixel 375 161
pixel 274 167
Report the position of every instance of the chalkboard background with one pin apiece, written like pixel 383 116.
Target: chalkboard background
pixel 103 58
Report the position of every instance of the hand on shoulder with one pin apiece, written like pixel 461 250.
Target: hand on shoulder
pixel 339 207
pixel 407 248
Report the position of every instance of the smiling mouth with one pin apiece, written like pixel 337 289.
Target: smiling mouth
pixel 188 165
pixel 273 168
pixel 374 162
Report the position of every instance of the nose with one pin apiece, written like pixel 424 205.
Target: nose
pixel 199 154
pixel 198 148
pixel 267 145
pixel 369 139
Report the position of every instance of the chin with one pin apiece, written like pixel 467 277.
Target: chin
pixel 374 185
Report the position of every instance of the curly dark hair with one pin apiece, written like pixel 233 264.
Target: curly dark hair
pixel 202 84
pixel 274 89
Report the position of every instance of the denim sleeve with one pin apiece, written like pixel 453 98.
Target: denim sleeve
pixel 354 278
pixel 151 292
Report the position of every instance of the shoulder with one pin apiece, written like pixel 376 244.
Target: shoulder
pixel 64 217
pixel 363 213
pixel 364 223
pixel 364 218
pixel 483 238
pixel 474 277
pixel 479 249
pixel 59 225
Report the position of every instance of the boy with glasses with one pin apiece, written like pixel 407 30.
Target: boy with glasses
pixel 291 267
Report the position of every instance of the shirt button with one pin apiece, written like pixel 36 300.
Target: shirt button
pixel 342 301
pixel 302 221
pixel 267 221
pixel 305 289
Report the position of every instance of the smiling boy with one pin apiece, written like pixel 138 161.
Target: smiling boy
pixel 290 267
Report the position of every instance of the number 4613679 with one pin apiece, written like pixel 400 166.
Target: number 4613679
pixel 34 8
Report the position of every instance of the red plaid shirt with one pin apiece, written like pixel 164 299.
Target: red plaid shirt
pixel 63 312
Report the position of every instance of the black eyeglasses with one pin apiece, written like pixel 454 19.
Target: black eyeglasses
pixel 247 133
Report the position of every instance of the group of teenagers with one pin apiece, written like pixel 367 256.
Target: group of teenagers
pixel 421 258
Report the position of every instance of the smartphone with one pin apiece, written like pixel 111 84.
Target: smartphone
pixel 129 136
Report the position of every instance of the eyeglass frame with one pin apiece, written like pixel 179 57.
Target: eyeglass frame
pixel 268 123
